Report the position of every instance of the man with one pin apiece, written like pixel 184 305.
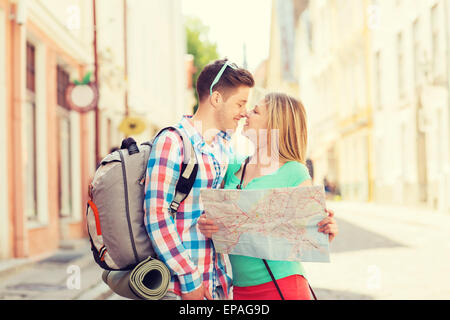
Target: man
pixel 197 271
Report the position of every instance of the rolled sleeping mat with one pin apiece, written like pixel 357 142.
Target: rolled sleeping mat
pixel 149 280
pixel 118 282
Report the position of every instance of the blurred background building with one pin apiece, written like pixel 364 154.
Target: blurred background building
pixel 333 55
pixel 49 148
pixel 374 78
pixel 410 80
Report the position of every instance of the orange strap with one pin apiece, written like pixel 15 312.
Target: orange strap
pixel 102 253
pixel 97 218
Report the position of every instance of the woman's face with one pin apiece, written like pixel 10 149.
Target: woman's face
pixel 257 120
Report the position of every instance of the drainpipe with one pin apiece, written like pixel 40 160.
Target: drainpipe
pixel 97 111
pixel 20 241
pixel 125 47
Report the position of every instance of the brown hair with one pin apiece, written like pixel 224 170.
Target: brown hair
pixel 231 79
pixel 287 115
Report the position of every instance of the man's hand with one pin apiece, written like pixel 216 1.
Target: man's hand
pixel 198 294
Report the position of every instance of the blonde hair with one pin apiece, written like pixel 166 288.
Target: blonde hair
pixel 288 116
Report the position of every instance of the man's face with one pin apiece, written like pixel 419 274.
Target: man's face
pixel 233 109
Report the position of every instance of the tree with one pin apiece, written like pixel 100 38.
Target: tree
pixel 198 44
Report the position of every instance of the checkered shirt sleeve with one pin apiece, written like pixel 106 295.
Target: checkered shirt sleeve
pixel 163 171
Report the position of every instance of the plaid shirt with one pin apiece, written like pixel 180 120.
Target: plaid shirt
pixel 190 256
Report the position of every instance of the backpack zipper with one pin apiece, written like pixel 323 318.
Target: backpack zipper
pixel 127 208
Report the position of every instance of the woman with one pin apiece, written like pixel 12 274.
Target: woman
pixel 277 163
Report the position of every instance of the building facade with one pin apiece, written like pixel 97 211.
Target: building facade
pixel 333 45
pixel 49 147
pixel 410 63
pixel 374 77
pixel 281 67
pixel 158 86
pixel 44 141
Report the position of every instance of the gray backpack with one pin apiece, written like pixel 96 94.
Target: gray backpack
pixel 115 210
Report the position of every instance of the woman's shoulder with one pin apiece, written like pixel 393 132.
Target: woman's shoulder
pixel 234 165
pixel 296 172
pixel 295 166
pixel 236 160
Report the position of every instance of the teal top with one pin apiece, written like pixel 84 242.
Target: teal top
pixel 249 271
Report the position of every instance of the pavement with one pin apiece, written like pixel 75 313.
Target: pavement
pixel 385 253
pixel 381 252
pixel 70 273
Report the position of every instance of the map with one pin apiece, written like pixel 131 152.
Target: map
pixel 273 224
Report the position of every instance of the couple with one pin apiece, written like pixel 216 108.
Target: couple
pixel 184 243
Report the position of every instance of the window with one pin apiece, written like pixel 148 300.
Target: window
pixel 360 68
pixel 63 82
pixel 435 39
pixel 416 53
pixel 403 151
pixel 401 67
pixel 31 64
pixel 439 145
pixel 64 146
pixel 378 80
pixel 354 87
pixel 309 28
pixel 30 136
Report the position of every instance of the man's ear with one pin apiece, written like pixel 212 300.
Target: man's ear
pixel 216 99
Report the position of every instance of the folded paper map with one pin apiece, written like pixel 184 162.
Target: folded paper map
pixel 273 224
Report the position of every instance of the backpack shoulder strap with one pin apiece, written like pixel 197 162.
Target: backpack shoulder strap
pixel 188 171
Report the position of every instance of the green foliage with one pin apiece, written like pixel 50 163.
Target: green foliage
pixel 86 79
pixel 198 44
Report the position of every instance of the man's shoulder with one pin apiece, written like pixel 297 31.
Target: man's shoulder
pixel 167 144
pixel 169 135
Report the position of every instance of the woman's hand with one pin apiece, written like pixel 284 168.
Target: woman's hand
pixel 329 225
pixel 207 226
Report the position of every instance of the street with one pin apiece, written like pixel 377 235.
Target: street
pixel 381 252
